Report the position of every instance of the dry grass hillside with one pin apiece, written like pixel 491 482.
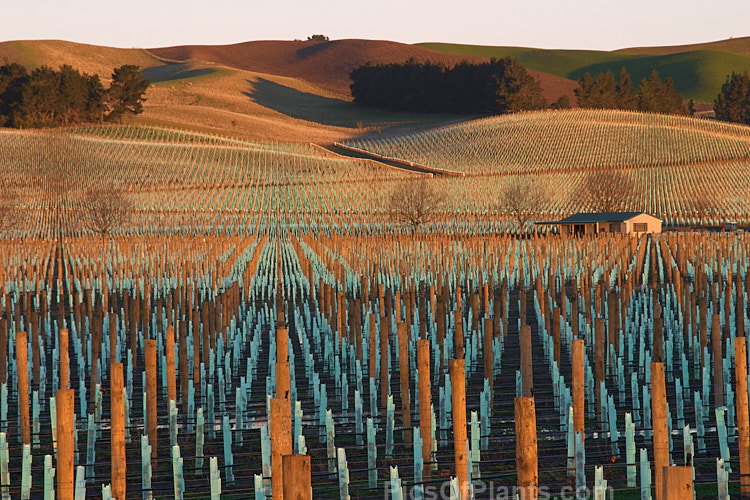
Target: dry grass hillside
pixel 284 91
pixel 88 58
pixel 328 64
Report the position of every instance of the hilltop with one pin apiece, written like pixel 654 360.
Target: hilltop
pixel 268 90
pixel 299 90
pixel 328 63
pixel 698 70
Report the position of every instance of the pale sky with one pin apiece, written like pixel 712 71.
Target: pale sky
pixel 570 24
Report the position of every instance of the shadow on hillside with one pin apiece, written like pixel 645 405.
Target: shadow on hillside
pixel 312 49
pixel 174 71
pixel 303 105
pixel 340 113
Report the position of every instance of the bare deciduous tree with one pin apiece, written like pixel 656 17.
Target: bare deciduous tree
pixel 105 210
pixel 523 197
pixel 416 201
pixel 608 191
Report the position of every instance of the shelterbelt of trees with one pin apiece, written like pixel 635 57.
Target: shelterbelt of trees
pixel 45 97
pixel 495 87
pixel 653 95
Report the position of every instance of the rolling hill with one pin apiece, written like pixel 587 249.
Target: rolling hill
pixel 267 90
pixel 220 99
pixel 698 70
pixel 674 163
pixel 298 90
pixel 328 64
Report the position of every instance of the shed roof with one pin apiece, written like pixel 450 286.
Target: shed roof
pixel 591 218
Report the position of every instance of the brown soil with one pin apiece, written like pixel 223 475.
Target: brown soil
pixel 328 64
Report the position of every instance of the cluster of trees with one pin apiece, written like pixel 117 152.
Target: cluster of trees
pixel 653 95
pixel 496 87
pixel 44 97
pixel 733 102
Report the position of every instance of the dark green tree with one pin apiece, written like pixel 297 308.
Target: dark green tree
pixel 125 95
pixel 627 98
pixel 40 101
pixel 733 102
pixel 563 102
pixel 604 95
pixel 95 107
pixel 49 98
pixel 495 87
pixel 655 96
pixel 516 90
pixel 598 92
pixel 12 78
pixel 73 96
pixel 584 90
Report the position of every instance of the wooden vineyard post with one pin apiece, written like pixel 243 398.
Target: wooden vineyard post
pixel 281 443
pixel 403 360
pixel 600 354
pixel 743 419
pixel 118 432
pixel 22 363
pixel 578 386
pixel 184 371
pixel 677 483
pixel 425 413
pixel 283 382
pixel 527 377
pixel 527 465
pixel 65 400
pixel 64 363
pixel 718 374
pixel 297 480
pixel 459 333
pixel 282 339
pixel 171 373
pixel 371 352
pixel 458 396
pixel 151 395
pixel 489 354
pixel 661 435
pixel 385 389
pixel 3 351
pixel 659 339
pixel 196 347
pixel 703 310
pixel 556 333
pixel 113 340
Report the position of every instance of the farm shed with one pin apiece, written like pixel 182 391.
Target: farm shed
pixel 609 222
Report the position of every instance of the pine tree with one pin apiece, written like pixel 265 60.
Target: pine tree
pixel 12 78
pixel 125 95
pixel 626 97
pixel 604 95
pixel 733 102
pixel 584 90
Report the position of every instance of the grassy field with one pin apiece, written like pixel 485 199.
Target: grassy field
pixel 698 71
pixel 220 99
